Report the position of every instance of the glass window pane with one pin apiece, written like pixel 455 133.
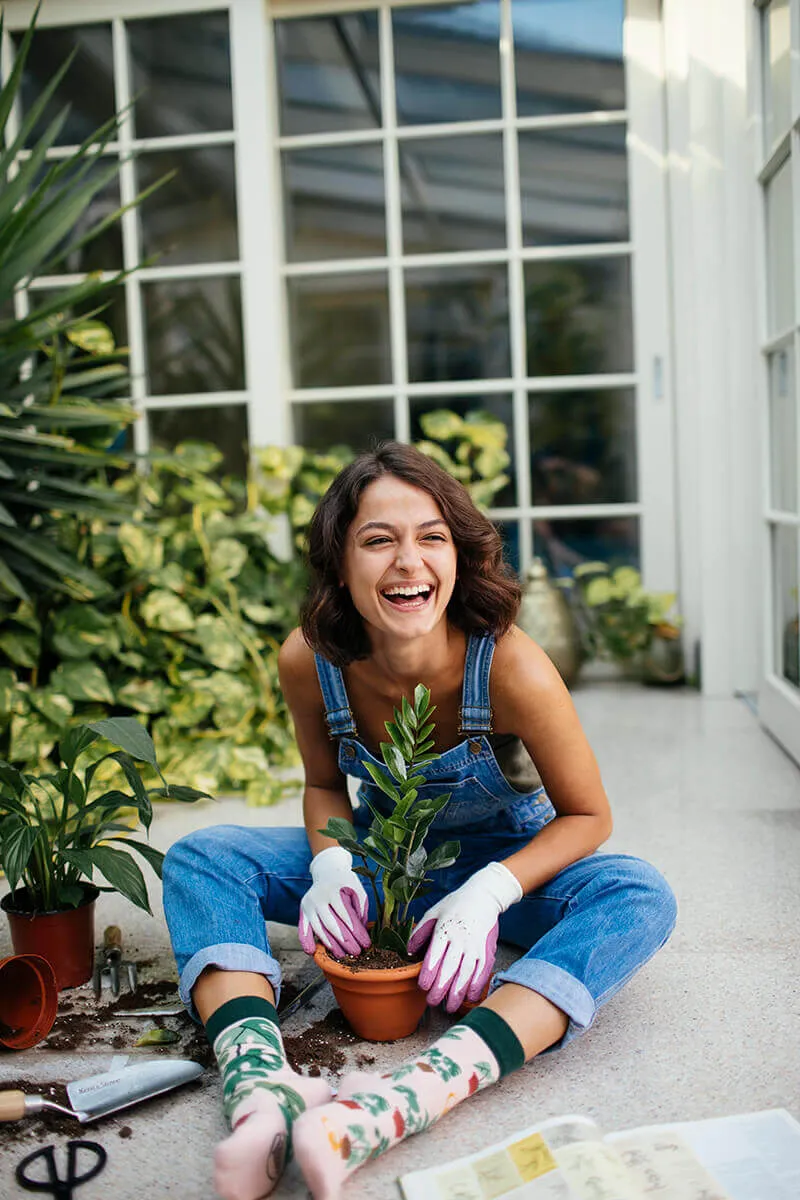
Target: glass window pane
pixel 578 316
pixel 777 72
pixel 510 536
pixel 583 447
pixel 453 194
pixel 103 253
pixel 194 336
pixel 499 407
pixel 447 62
pixel 90 106
pixel 457 322
pixel 783 431
pixel 568 56
pixel 574 185
pixel 780 250
pixel 192 217
pixel 358 424
pixel 224 425
pixel 563 543
pixel 340 330
pixel 787 608
pixel 181 74
pixel 334 203
pixel 328 73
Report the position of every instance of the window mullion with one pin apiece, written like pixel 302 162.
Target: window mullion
pixel 131 255
pixel 394 229
pixel 516 279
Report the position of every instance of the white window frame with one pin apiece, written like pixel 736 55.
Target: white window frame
pixel 778 701
pixel 647 251
pixel 268 393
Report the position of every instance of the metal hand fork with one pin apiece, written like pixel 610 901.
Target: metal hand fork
pixel 110 960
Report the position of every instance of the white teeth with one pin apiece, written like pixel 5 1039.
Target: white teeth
pixel 417 589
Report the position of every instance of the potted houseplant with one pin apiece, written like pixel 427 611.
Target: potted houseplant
pixel 378 991
pixel 622 622
pixel 54 834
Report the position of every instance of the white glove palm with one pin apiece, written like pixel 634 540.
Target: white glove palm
pixel 334 909
pixel 462 929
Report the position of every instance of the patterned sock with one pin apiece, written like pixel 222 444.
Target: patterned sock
pixel 372 1113
pixel 261 1097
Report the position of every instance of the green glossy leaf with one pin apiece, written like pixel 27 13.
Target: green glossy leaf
pixel 81 680
pixel 394 760
pixel 443 855
pixel 116 866
pixel 181 792
pixel 141 798
pixel 166 611
pixel 149 853
pixel 20 647
pixel 219 644
pixel 380 777
pixel 227 558
pixel 56 708
pixel 144 695
pixel 82 631
pixel 142 548
pixel 17 840
pixel 130 736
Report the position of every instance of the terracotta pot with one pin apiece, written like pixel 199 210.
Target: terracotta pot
pixel 380 1005
pixel 65 937
pixel 28 1000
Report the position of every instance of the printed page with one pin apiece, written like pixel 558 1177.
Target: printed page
pixel 561 1159
pixel 754 1156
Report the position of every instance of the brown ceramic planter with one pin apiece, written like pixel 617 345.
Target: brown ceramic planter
pixel 64 938
pixel 380 1005
pixel 28 1001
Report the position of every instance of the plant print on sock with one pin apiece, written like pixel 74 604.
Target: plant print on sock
pixel 249 1054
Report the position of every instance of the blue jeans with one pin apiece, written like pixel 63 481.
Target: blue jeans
pixel 584 933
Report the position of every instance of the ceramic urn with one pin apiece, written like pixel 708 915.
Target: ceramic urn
pixel 545 616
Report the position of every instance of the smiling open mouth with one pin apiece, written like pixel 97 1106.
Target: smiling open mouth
pixel 415 596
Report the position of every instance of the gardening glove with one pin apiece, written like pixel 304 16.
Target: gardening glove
pixel 334 909
pixel 463 936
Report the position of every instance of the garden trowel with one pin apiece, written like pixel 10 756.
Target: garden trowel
pixel 99 1095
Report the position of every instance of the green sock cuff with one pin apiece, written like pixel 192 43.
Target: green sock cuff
pixel 239 1009
pixel 499 1037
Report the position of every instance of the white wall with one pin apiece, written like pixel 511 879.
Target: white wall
pixel 713 229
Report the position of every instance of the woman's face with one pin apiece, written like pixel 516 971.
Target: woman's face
pixel 400 560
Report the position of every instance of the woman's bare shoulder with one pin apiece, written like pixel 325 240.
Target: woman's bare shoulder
pixel 522 669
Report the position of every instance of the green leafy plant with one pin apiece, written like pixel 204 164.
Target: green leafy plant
pixel 60 371
pixel 617 616
pixel 392 852
pixel 472 449
pixel 54 832
pixel 188 634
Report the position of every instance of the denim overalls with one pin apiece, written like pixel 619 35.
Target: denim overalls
pixel 585 932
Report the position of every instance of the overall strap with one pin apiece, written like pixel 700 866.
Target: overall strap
pixel 337 706
pixel 476 710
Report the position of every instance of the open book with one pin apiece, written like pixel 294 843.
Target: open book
pixel 755 1156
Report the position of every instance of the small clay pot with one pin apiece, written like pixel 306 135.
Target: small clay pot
pixel 64 937
pixel 380 1005
pixel 28 1000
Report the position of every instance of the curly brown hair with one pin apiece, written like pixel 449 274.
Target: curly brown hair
pixel 487 594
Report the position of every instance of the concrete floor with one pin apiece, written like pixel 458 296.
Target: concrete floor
pixel 711 1026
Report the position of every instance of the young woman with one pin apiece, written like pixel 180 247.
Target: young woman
pixel 408 586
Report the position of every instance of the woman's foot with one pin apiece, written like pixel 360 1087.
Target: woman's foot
pixel 249 1163
pixel 372 1113
pixel 262 1097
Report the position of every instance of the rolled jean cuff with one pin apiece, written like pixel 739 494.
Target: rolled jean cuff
pixel 228 956
pixel 557 986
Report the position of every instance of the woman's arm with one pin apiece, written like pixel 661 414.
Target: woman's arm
pixel 530 699
pixel 325 793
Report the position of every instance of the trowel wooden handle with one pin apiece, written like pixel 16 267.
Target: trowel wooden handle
pixel 112 938
pixel 12 1106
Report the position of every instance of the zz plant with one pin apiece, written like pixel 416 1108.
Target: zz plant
pixel 392 854
pixel 53 833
